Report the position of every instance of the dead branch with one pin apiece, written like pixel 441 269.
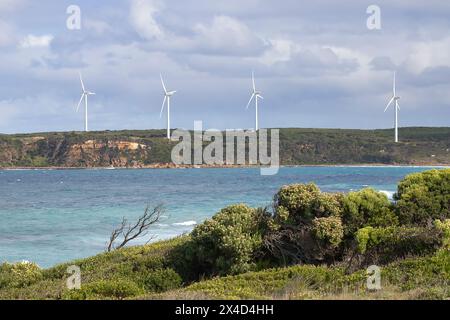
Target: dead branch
pixel 128 231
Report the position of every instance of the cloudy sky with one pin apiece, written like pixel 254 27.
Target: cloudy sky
pixel 317 64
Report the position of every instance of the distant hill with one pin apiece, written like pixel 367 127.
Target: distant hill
pixel 147 148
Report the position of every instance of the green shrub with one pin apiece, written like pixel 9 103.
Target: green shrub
pixel 303 202
pixel 367 207
pixel 329 230
pixel 105 289
pixel 444 227
pixel 161 280
pixel 306 226
pixel 428 271
pixel 227 242
pixel 390 243
pixel 423 197
pixel 19 275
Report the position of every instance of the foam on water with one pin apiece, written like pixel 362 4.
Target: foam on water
pixel 389 194
pixel 185 223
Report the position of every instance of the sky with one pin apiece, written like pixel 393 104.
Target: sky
pixel 316 63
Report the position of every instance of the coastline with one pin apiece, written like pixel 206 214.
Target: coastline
pixel 173 166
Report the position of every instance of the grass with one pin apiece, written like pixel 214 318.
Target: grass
pixel 145 272
pixel 132 264
pixel 413 278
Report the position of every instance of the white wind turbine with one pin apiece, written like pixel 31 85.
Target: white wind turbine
pixel 255 94
pixel 167 95
pixel 84 95
pixel 395 99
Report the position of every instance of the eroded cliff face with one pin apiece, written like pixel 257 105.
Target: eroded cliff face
pixel 41 151
pixel 93 153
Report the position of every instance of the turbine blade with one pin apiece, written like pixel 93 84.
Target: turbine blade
pixel 397 105
pixel 251 98
pixel 162 107
pixel 260 96
pixel 162 82
pixel 81 99
pixel 81 80
pixel 389 103
pixel 253 81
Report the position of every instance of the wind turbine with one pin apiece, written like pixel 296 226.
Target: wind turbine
pixel 395 99
pixel 84 95
pixel 255 94
pixel 167 95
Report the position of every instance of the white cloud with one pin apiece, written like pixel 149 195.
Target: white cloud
pixel 428 54
pixel 142 19
pixel 31 41
pixel 227 34
pixel 280 50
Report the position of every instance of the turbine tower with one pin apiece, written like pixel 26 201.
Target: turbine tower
pixel 395 99
pixel 84 95
pixel 255 94
pixel 167 95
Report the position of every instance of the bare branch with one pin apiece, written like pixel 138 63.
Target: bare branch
pixel 128 231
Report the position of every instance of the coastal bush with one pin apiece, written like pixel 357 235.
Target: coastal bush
pixel 226 243
pixel 105 289
pixel 161 280
pixel 382 245
pixel 432 271
pixel 19 275
pixel 328 230
pixel 444 227
pixel 306 226
pixel 298 203
pixel 366 207
pixel 423 197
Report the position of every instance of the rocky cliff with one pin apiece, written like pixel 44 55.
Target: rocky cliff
pixel 149 148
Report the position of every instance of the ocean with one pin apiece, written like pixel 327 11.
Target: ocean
pixel 53 216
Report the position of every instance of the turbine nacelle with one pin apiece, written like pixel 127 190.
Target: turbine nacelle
pixel 170 93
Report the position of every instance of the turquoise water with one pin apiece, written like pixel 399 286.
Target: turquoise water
pixel 51 216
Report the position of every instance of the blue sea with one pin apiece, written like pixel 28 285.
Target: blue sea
pixel 52 216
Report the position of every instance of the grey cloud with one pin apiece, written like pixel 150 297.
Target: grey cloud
pixel 382 63
pixel 310 58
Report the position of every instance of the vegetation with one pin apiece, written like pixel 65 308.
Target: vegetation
pixel 140 148
pixel 367 207
pixel 423 197
pixel 310 245
pixel 225 244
